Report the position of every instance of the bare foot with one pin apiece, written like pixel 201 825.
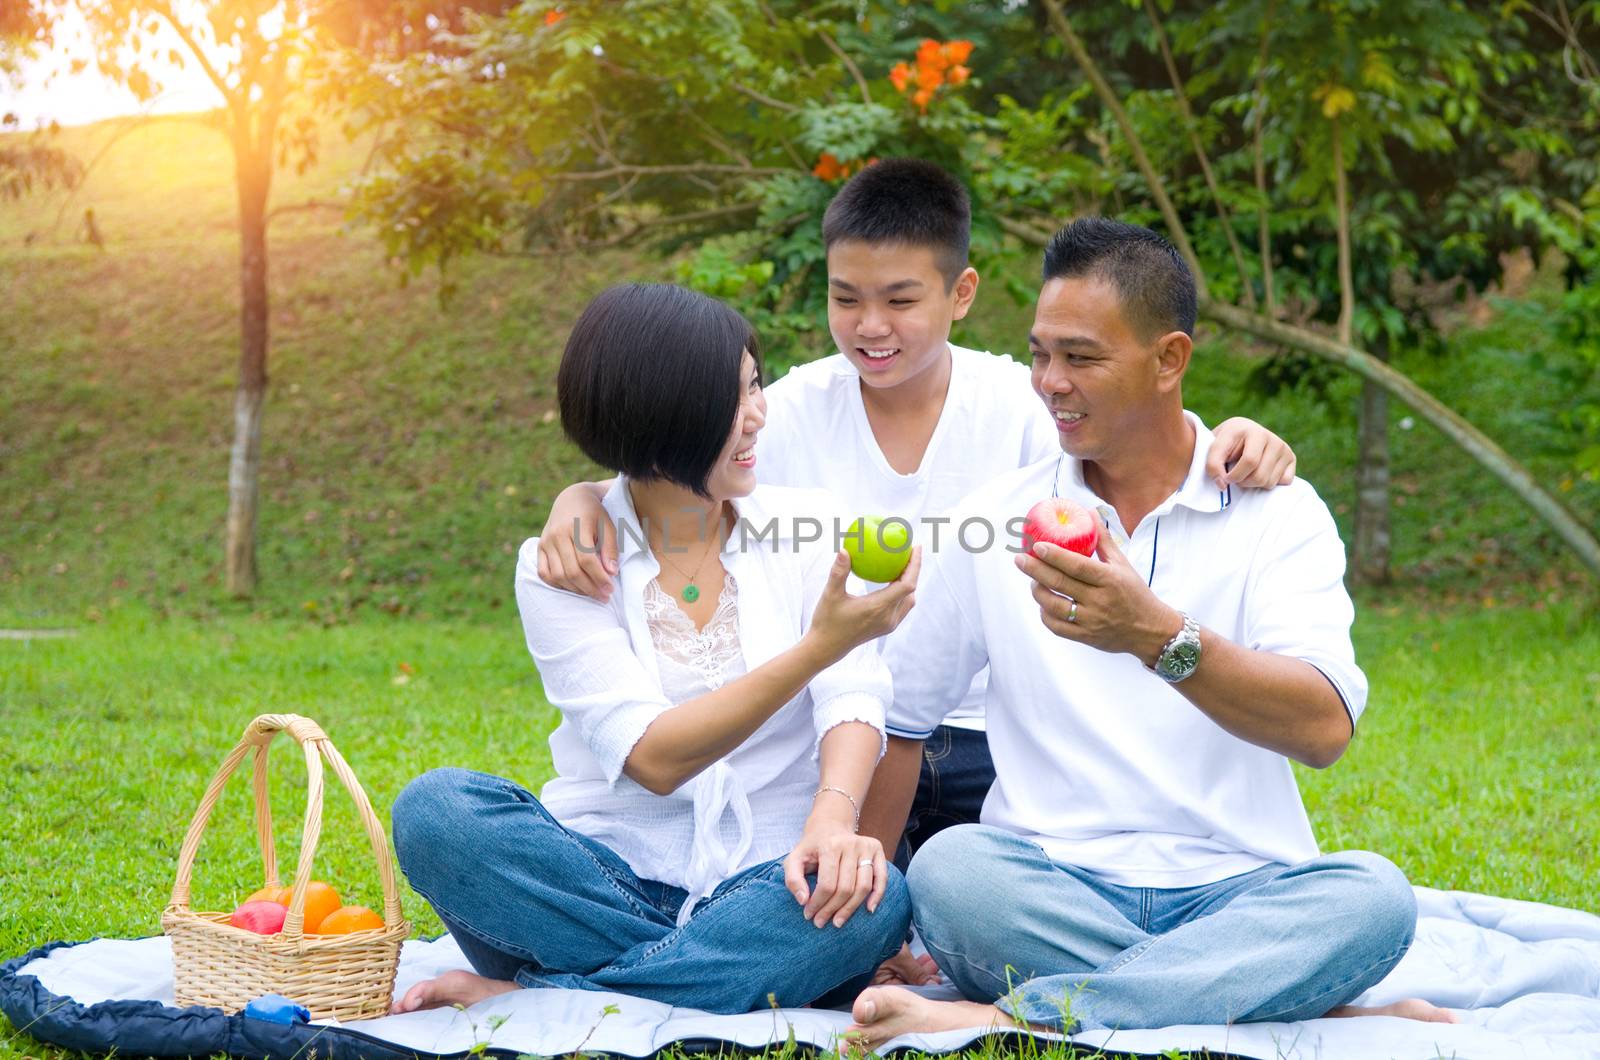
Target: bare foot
pixel 885 1012
pixel 906 969
pixel 452 988
pixel 1412 1008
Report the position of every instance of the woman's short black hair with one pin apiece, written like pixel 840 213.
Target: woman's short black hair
pixel 649 381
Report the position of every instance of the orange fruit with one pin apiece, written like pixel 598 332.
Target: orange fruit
pixel 321 900
pixel 349 918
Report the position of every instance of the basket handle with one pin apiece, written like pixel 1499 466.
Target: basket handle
pixel 258 737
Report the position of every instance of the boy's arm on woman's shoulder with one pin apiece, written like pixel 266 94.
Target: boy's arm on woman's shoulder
pixel 578 548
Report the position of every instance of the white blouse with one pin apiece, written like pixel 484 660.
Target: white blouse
pixel 612 668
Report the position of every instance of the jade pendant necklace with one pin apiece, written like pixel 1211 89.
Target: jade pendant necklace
pixel 691 591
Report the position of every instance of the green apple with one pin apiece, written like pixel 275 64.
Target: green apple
pixel 879 549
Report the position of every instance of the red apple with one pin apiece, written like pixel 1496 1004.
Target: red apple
pixel 1061 522
pixel 264 918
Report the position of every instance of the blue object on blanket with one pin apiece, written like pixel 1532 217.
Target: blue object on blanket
pixel 275 1008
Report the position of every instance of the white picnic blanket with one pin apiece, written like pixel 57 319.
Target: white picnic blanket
pixel 1523 978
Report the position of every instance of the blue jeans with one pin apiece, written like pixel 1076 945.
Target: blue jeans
pixel 1057 946
pixel 957 773
pixel 533 902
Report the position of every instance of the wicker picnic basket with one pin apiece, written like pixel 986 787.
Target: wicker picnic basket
pixel 346 977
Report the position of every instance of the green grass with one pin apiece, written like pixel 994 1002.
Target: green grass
pixel 1473 769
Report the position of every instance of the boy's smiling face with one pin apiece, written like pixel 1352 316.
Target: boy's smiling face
pixel 890 309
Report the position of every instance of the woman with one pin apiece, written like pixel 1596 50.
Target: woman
pixel 721 715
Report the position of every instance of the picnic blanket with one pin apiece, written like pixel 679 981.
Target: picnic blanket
pixel 1523 978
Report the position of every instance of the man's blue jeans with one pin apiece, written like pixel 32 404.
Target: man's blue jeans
pixel 533 902
pixel 956 775
pixel 1058 947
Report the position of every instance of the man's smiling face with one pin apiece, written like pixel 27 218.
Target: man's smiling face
pixel 1091 368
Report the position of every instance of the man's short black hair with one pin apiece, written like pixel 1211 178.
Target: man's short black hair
pixel 904 200
pixel 649 381
pixel 1151 278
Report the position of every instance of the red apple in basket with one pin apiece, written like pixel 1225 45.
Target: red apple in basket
pixel 1061 522
pixel 264 918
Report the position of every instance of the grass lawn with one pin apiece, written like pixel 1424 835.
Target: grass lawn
pixel 1473 769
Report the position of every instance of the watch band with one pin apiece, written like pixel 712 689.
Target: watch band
pixel 1181 655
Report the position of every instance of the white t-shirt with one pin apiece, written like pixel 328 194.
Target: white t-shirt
pixel 1097 760
pixel 817 436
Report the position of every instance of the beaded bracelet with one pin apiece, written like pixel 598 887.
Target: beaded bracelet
pixel 846 794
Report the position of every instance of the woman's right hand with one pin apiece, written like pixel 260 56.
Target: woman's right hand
pixel 568 558
pixel 843 621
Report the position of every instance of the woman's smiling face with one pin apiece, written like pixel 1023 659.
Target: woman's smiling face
pixel 734 474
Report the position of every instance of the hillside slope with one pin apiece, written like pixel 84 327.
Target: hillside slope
pixel 409 445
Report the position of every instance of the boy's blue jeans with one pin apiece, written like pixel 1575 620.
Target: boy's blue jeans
pixel 956 775
pixel 1059 947
pixel 532 902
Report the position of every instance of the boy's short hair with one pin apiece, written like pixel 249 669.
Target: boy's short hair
pixel 649 381
pixel 1151 278
pixel 904 200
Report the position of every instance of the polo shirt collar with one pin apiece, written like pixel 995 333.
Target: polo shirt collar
pixel 1197 491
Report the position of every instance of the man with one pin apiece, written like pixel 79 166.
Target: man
pixel 1144 855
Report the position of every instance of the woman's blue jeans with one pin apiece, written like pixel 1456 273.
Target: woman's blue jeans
pixel 1058 947
pixel 535 903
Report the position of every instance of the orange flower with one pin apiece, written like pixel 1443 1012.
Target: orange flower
pixel 922 97
pixel 959 75
pixel 956 52
pixel 553 16
pixel 899 76
pixel 928 79
pixel 930 55
pixel 828 168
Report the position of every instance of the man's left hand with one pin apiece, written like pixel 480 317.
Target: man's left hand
pixel 1099 600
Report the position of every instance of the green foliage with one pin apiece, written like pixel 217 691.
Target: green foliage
pixel 624 122
pixel 548 130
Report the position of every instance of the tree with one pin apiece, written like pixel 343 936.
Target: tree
pixel 723 124
pixel 261 56
pixel 1420 95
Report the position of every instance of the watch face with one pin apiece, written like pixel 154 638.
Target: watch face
pixel 1181 660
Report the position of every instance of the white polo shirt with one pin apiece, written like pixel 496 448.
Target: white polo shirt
pixel 817 436
pixel 1099 761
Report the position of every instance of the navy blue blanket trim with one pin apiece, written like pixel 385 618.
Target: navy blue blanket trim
pixel 149 1028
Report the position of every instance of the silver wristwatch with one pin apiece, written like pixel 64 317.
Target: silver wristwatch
pixel 1181 655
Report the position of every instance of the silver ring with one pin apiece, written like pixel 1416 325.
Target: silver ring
pixel 863 861
pixel 1072 615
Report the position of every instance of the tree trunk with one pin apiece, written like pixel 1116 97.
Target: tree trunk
pixel 1369 560
pixel 254 176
